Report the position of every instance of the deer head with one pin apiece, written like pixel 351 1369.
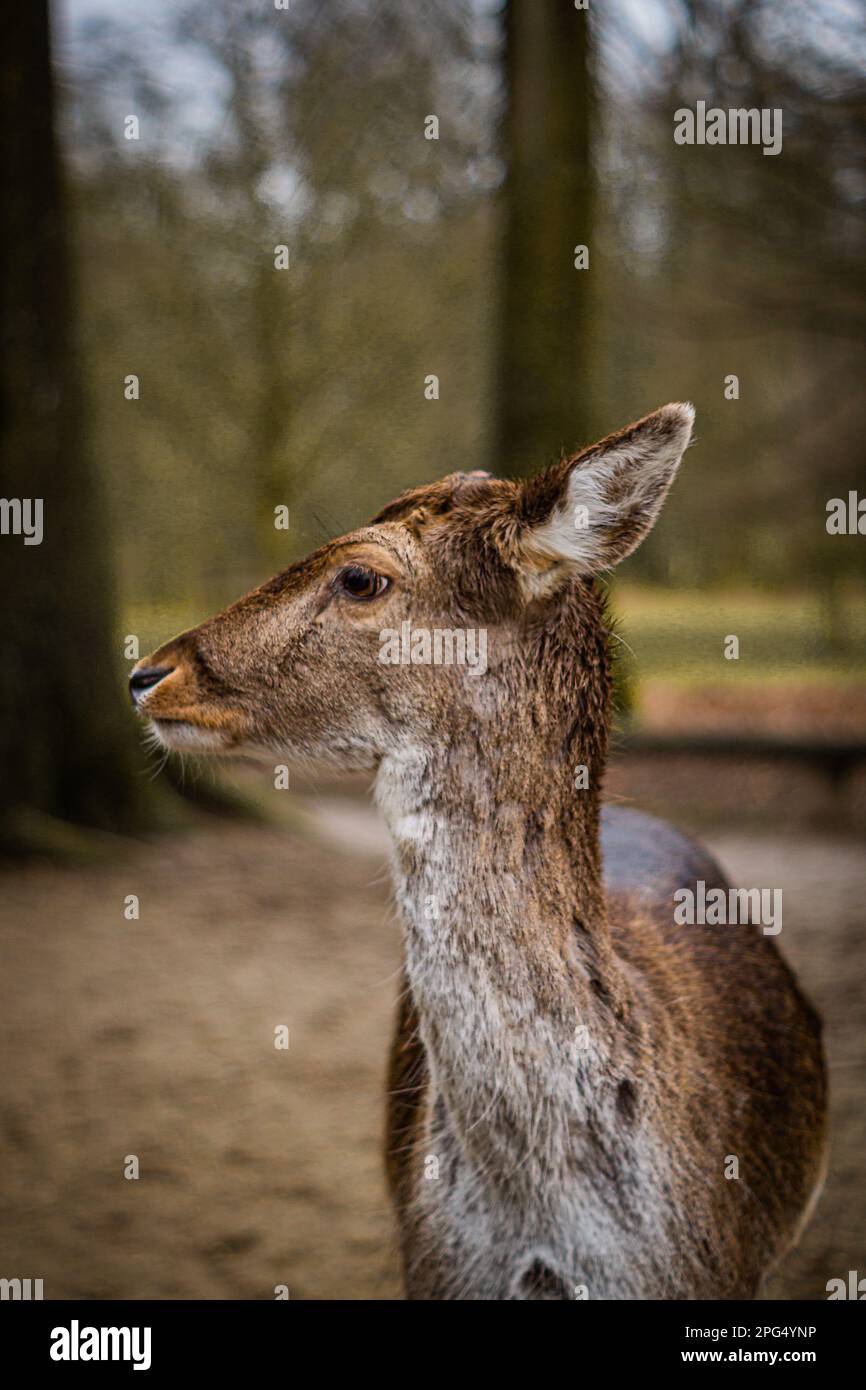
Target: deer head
pixel 318 664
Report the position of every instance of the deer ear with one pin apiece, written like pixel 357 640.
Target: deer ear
pixel 591 511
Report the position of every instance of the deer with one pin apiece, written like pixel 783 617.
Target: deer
pixel 585 1097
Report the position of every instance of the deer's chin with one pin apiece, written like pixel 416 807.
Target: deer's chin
pixel 180 736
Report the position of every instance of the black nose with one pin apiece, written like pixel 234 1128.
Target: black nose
pixel 145 679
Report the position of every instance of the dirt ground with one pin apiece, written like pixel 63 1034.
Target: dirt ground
pixel 259 1166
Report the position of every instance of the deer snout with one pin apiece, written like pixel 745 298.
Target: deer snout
pixel 184 703
pixel 144 678
pixel 152 693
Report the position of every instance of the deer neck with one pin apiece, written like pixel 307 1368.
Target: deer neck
pixel 496 867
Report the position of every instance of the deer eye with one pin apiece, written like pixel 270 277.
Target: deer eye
pixel 361 583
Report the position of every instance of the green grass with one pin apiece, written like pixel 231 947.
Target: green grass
pixel 679 636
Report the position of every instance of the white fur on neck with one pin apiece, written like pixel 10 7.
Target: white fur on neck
pixel 473 976
pixel 516 1091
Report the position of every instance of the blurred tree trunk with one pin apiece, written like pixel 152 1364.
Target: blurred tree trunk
pixel 543 381
pixel 67 750
pixel 272 409
pixel 268 291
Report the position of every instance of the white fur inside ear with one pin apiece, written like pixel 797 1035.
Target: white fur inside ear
pixel 574 531
pixel 614 493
